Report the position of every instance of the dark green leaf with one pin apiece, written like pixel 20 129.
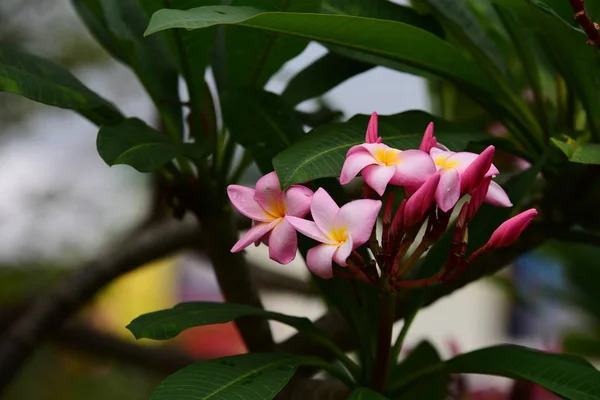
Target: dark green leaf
pixel 166 324
pixel 422 356
pixel 322 152
pixel 41 80
pixel 584 153
pixel 134 143
pixel 261 122
pixel 362 393
pixel 248 377
pixel 583 344
pixel 321 76
pixel 563 375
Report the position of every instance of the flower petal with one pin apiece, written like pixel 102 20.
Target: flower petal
pixel 378 177
pixel 297 199
pixel 323 210
pixel 343 252
pixel 496 196
pixel 242 198
pixel 414 168
pixel 447 193
pixel 428 140
pixel 319 260
pixel 257 232
pixel 376 149
pixel 283 243
pixel 359 148
pixel 308 228
pixel 358 218
pixel 371 136
pixel 355 163
pixel 268 194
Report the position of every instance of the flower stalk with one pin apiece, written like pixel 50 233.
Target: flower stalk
pixel 387 309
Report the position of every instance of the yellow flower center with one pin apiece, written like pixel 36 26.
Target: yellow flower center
pixel 277 209
pixel 339 235
pixel 442 162
pixel 388 157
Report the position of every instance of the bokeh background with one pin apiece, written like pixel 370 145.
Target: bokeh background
pixel 61 205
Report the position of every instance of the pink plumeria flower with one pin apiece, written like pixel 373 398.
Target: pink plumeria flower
pixel 268 206
pixel 340 230
pixel 451 166
pixel 381 164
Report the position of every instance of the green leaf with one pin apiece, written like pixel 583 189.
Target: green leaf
pixel 379 37
pixel 362 393
pixel 321 153
pixel 566 376
pixel 431 387
pixel 572 57
pixel 134 143
pixel 583 344
pixel 248 377
pixel 166 324
pixel 253 56
pixel 261 122
pixel 321 76
pixel 45 82
pixel 583 153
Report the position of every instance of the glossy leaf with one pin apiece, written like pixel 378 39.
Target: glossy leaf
pixel 379 37
pixel 45 82
pixel 134 143
pixel 321 153
pixel 248 377
pixel 261 122
pixel 362 393
pixel 584 153
pixel 166 324
pixel 566 376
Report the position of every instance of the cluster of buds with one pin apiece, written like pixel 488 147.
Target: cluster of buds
pixel 433 178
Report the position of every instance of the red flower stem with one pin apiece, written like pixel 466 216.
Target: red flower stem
pixel 583 19
pixel 387 309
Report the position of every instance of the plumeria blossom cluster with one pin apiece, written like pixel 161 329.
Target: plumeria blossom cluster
pixel 433 178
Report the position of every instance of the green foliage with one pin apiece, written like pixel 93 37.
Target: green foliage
pixel 584 153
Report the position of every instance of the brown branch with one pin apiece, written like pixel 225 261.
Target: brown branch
pixel 583 19
pixel 50 310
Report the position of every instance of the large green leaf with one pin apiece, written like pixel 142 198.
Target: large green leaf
pixel 584 153
pixel 566 376
pixel 45 82
pixel 261 122
pixel 248 377
pixel 362 393
pixel 394 40
pixel 321 153
pixel 134 143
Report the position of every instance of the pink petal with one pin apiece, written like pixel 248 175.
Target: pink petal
pixel 371 136
pixel 308 228
pixel 354 164
pixel 242 198
pixel 447 193
pixel 358 218
pixel 283 243
pixel 429 140
pixel 257 232
pixel 507 233
pixel 420 202
pixel 323 210
pixel 359 148
pixel 414 168
pixel 268 194
pixel 376 148
pixel 460 161
pixel 496 196
pixel 297 199
pixel 319 260
pixel 472 176
pixel 378 177
pixel 439 152
pixel 343 252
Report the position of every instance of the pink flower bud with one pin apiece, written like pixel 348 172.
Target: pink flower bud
pixel 429 140
pixel 473 175
pixel 507 233
pixel 371 136
pixel 420 202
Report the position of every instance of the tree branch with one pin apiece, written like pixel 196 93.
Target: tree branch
pixel 49 311
pixel 583 19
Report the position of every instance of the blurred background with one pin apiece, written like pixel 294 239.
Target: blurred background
pixel 61 205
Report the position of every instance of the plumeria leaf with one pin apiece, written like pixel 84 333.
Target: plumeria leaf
pixel 248 376
pixel 321 153
pixel 134 143
pixel 166 324
pixel 583 153
pixel 362 393
pixel 45 82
